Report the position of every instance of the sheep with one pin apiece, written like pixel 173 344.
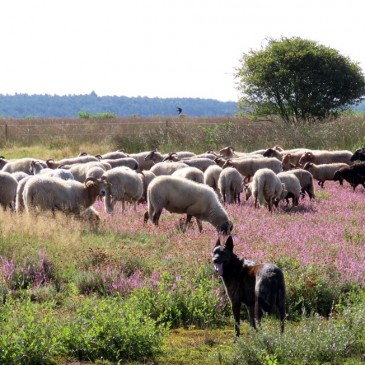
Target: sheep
pixel 140 157
pixel 147 176
pixel 21 164
pixel 291 160
pixel 52 164
pixel 43 193
pixel 178 195
pixel 326 157
pixel 177 156
pixel 272 152
pixel 324 172
pixel 112 155
pixel 37 168
pixel 19 201
pixel 211 176
pixel 91 216
pixel 166 168
pixel 230 185
pixel 201 163
pixel 8 186
pixel 248 166
pixel 306 181
pixel 358 155
pixel 95 172
pixel 354 175
pixel 266 187
pixel 125 185
pixel 292 186
pixel 154 156
pixel 125 161
pixel 191 173
pixel 79 171
pixel 19 175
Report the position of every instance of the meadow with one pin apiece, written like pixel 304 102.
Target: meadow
pixel 133 293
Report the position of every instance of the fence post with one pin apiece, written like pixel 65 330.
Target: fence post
pixel 6 132
pixel 166 130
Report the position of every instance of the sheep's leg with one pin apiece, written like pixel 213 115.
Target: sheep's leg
pixel 200 225
pixel 251 316
pixel 146 217
pixel 156 217
pixel 187 221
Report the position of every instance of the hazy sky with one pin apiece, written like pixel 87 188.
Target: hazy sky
pixel 157 48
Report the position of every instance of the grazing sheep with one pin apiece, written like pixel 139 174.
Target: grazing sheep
pixel 8 186
pixel 37 168
pixel 354 175
pixel 112 155
pixel 191 173
pixel 166 168
pixel 324 172
pixel 326 157
pixel 79 171
pixel 19 201
pixel 261 287
pixel 125 185
pixel 21 164
pixel 147 176
pixel 140 158
pixel 292 186
pixel 247 167
pixel 52 164
pixel 266 187
pixel 306 181
pixel 178 195
pixel 230 185
pixel 43 193
pixel 358 155
pixel 211 176
pixel 91 216
pixel 125 161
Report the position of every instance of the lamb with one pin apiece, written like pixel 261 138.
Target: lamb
pixel 178 195
pixel 125 185
pixel 247 167
pixel 43 193
pixel 306 181
pixel 52 164
pixel 354 175
pixel 230 185
pixel 147 176
pixel 21 164
pixel 266 187
pixel 166 168
pixel 37 168
pixel 326 157
pixel 324 172
pixel 8 186
pixel 191 173
pixel 292 186
pixel 211 176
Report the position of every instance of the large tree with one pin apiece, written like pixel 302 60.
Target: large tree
pixel 298 80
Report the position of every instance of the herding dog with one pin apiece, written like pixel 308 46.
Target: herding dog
pixel 261 287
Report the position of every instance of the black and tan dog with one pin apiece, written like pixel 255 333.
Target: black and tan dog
pixel 261 287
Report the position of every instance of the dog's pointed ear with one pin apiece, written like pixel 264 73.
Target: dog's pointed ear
pixel 229 243
pixel 218 243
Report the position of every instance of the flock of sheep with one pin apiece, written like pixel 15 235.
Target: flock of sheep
pixel 180 182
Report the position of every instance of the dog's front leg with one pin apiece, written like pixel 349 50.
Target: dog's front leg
pixel 236 308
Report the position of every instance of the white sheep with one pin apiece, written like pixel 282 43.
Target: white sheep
pixel 211 176
pixel 125 185
pixel 200 162
pixel 79 171
pixel 292 186
pixel 8 186
pixel 112 155
pixel 230 185
pixel 125 161
pixel 70 161
pixel 326 157
pixel 95 172
pixel 20 164
pixel 178 195
pixel 190 172
pixel 43 193
pixel 19 201
pixel 306 181
pixel 37 168
pixel 266 187
pixel 140 157
pixel 247 167
pixel 147 176
pixel 19 175
pixel 324 172
pixel 166 168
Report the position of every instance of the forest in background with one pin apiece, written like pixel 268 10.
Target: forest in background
pixel 71 106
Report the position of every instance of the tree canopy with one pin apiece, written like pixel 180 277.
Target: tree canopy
pixel 298 80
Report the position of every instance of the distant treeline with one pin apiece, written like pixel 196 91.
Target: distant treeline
pixel 71 106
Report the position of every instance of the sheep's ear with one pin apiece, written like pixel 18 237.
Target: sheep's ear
pixel 229 243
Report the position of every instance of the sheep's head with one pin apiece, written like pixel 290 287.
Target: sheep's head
pixel 228 163
pixel 97 187
pixel 225 228
pixel 227 151
pixel 51 163
pixel 269 152
pixel 172 156
pixel 359 154
pixel 286 162
pixel 150 156
pixel 307 165
pixel 306 157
